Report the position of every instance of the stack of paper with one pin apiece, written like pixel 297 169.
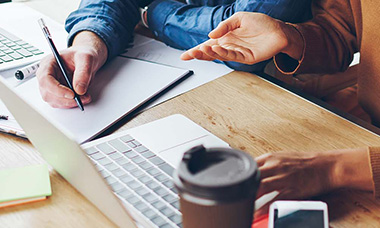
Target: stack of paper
pixel 24 185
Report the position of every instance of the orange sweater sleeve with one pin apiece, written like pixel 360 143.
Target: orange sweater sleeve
pixel 374 155
pixel 329 40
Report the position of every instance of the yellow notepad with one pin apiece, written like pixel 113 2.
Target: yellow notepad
pixel 24 185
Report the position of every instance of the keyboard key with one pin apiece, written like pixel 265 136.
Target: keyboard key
pixel 97 156
pixel 137 159
pixel 126 178
pixel 168 184
pixel 161 191
pixel 158 221
pixel 167 211
pixel 130 167
pixel 131 144
pixel 118 145
pixel 126 138
pixel 156 160
pixel 150 198
pixel 174 189
pixel 142 191
pixel 175 204
pixel 36 52
pixel 115 156
pixel 111 167
pixel 117 186
pixel 169 198
pixel 23 52
pixel 17 47
pixel 176 219
pixel 141 206
pixel 141 149
pixel 8 51
pixel 145 165
pixel 132 199
pixel 167 169
pixel 6 59
pixel 125 193
pixel 154 171
pixel 161 177
pixel 137 143
pixel 119 172
pixel 122 161
pixel 130 154
pixel 149 213
pixel 91 150
pixel 104 161
pixel 145 179
pixel 104 173
pixel 15 55
pixel 105 148
pixel 111 180
pixel 148 154
pixel 158 205
pixel 152 185
pixel 166 226
pixel 134 185
pixel 136 173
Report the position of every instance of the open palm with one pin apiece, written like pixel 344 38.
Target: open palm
pixel 245 37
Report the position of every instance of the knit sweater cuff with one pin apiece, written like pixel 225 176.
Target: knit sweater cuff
pixel 374 154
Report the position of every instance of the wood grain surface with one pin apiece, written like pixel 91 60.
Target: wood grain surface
pixel 246 111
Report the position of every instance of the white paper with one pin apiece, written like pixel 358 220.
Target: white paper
pixel 116 90
pixel 156 51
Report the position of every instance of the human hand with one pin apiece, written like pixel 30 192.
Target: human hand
pixel 298 175
pixel 82 60
pixel 248 38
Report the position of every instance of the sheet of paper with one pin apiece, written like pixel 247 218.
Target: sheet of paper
pixel 156 51
pixel 116 90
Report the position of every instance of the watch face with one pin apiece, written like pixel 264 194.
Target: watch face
pixel 298 218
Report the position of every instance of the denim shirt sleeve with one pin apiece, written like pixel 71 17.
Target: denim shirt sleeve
pixel 112 20
pixel 184 26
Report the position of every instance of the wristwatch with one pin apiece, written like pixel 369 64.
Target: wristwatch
pixel 143 11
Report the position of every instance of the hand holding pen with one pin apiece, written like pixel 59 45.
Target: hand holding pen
pixel 82 60
pixel 60 62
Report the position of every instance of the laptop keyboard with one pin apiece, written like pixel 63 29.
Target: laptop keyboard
pixel 140 178
pixel 13 48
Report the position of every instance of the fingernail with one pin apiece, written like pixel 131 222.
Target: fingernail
pixel 69 96
pixel 81 88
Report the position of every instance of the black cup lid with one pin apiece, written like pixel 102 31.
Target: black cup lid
pixel 217 173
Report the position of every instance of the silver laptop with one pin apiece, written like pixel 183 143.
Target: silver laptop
pixel 15 52
pixel 126 175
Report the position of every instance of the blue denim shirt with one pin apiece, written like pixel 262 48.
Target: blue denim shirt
pixel 177 24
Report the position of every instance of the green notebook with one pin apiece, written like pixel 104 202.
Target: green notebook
pixel 23 185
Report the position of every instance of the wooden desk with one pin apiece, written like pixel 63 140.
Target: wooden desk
pixel 244 110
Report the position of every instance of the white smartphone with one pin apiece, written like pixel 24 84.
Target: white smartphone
pixel 294 214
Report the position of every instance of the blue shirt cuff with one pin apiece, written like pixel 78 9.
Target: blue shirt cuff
pixel 100 28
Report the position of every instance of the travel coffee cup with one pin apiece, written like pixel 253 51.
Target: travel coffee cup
pixel 217 188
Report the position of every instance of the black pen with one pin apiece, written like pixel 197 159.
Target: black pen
pixel 60 63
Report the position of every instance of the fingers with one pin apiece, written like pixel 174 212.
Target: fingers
pixel 64 103
pixel 270 184
pixel 197 53
pixel 83 72
pixel 52 86
pixel 226 26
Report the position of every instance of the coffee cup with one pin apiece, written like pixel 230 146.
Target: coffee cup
pixel 217 188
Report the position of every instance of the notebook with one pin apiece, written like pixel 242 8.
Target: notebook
pixel 24 185
pixel 118 88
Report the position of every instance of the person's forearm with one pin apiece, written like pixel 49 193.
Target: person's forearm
pixel 112 20
pixel 295 46
pixel 93 42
